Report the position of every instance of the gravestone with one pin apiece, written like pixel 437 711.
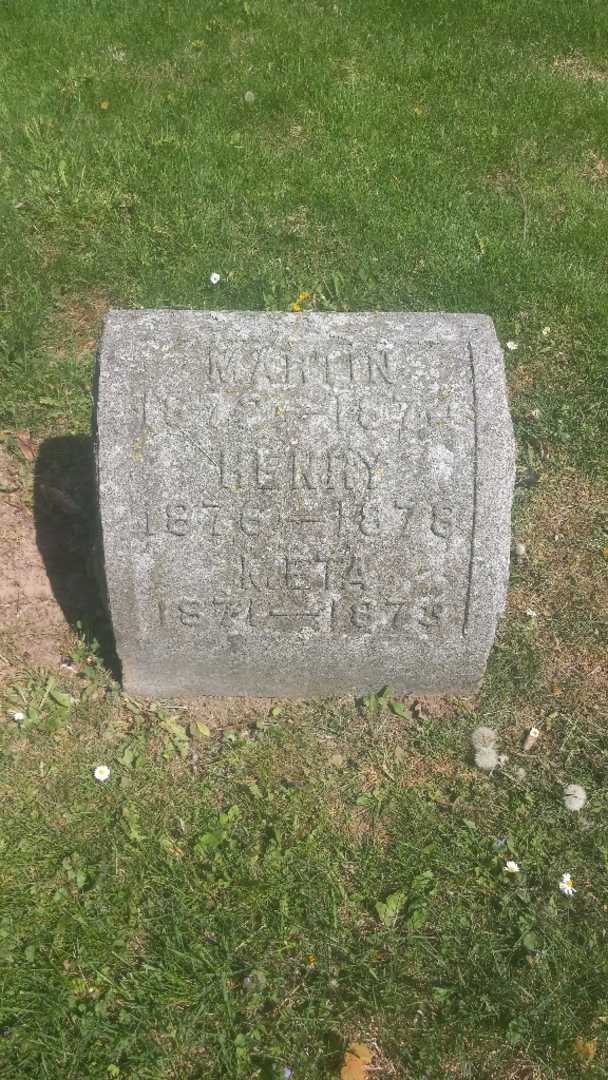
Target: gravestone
pixel 302 504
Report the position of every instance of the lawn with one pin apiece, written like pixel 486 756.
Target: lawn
pixel 259 885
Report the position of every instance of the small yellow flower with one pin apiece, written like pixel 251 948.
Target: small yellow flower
pixel 304 296
pixel 105 104
pixel 296 307
pixel 311 960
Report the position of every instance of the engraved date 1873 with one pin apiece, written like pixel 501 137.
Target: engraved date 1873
pixel 419 615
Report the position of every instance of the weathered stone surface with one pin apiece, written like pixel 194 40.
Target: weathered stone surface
pixel 303 504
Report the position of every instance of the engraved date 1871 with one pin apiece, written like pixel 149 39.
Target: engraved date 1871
pixel 419 615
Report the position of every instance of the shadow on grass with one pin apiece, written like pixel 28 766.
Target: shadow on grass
pixel 65 519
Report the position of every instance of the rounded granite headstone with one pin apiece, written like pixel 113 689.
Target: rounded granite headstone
pixel 302 504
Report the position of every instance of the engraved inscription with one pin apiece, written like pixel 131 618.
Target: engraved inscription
pixel 252 520
pixel 178 519
pixel 302 504
pixel 321 492
pixel 189 612
pixel 421 613
pixel 231 611
pixel 441 521
pixel 264 368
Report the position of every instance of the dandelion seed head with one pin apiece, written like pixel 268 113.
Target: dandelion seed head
pixel 486 758
pixel 575 797
pixel 483 737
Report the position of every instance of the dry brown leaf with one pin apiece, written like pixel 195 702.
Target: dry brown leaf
pixel 585 1049
pixel 356 1061
pixel 600 169
pixel 22 438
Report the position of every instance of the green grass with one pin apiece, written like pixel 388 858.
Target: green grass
pixel 216 914
pixel 397 155
pixel 407 155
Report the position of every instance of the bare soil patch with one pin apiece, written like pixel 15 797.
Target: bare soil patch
pixel 228 712
pixel 565 535
pixel 46 584
pixel 596 169
pixel 33 629
pixel 74 326
pixel 576 66
pixel 419 770
pixel 565 584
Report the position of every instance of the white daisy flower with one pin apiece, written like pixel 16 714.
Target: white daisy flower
pixel 214 278
pixel 512 346
pixel 532 738
pixel 566 885
pixel 102 773
pixel 512 867
pixel 546 331
pixel 18 716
